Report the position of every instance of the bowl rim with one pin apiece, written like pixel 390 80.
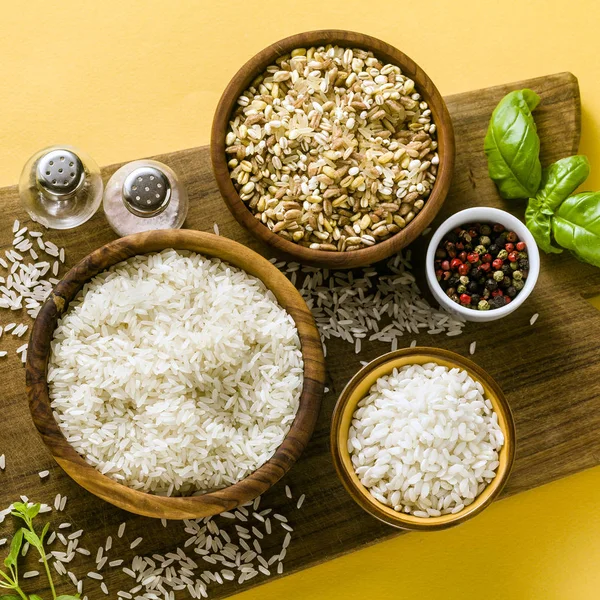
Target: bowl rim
pixel 137 501
pixel 346 405
pixel 425 86
pixel 488 213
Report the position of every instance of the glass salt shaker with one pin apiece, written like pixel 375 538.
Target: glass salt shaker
pixel 61 187
pixel 144 195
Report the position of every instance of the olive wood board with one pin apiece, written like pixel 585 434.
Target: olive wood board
pixel 550 372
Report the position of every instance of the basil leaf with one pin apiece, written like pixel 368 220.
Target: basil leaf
pixel 34 597
pixel 576 226
pixel 560 180
pixel 512 146
pixel 12 598
pixel 15 547
pixel 32 538
pixel 540 225
pixel 44 532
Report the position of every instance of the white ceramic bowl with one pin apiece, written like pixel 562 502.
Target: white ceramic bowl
pixel 483 214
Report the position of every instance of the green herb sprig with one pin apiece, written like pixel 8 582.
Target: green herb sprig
pixel 10 580
pixel 556 218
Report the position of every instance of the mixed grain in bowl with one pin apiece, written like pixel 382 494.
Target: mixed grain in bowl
pixel 332 148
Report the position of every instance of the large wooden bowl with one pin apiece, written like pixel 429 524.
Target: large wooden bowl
pixel 365 256
pixel 359 387
pixel 139 502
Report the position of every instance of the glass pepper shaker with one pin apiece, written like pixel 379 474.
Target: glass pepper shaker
pixel 144 195
pixel 61 187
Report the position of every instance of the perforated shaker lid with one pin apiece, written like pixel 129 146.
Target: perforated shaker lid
pixel 146 191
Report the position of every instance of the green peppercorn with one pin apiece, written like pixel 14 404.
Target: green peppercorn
pixel 483 305
pixel 498 276
pixel 522 254
pixel 461 288
pixel 518 275
pixel 503 254
pixel 485 229
pixel 484 240
pixel 514 266
pixel 518 285
pixel 481 250
pixel 506 282
pixel 464 279
pixel 455 298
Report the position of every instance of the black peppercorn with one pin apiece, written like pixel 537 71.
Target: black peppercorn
pixel 497 302
pixel 452 237
pixel 511 292
pixel 475 298
pixel 494 249
pixel 453 280
pixel 491 285
pixel 523 264
pixel 472 287
pixel 506 269
pixel 485 229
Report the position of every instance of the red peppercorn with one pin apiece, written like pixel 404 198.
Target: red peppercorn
pixel 473 257
pixel 464 269
pixel 451 252
pixel 473 233
pixel 487 258
pixel 460 246
pixel 485 266
pixel 445 265
pixel 463 256
pixel 509 247
pixel 439 274
pixel 521 246
pixel 497 264
pixel 498 228
pixel 455 263
pixel 513 257
pixel 507 299
pixel 497 293
pixel 465 299
pixel 511 236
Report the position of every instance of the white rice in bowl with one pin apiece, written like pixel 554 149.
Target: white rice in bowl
pixel 425 440
pixel 174 373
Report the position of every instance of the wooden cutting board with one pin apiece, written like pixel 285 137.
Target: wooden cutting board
pixel 550 372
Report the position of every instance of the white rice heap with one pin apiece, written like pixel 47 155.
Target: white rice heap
pixel 366 305
pixel 175 373
pixel 425 441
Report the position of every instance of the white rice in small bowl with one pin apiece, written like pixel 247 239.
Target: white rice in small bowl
pixel 175 374
pixel 425 440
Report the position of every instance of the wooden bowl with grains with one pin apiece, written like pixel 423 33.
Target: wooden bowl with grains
pixel 143 424
pixel 333 147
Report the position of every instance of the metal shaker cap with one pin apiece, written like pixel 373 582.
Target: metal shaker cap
pixel 146 191
pixel 59 173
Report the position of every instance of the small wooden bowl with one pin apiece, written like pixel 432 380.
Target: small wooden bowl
pixel 140 502
pixel 358 388
pixel 345 260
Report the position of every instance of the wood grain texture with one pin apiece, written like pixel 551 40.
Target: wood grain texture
pixel 358 387
pixel 136 501
pixel 550 373
pixel 289 250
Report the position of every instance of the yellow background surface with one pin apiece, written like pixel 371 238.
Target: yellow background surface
pixel 125 79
